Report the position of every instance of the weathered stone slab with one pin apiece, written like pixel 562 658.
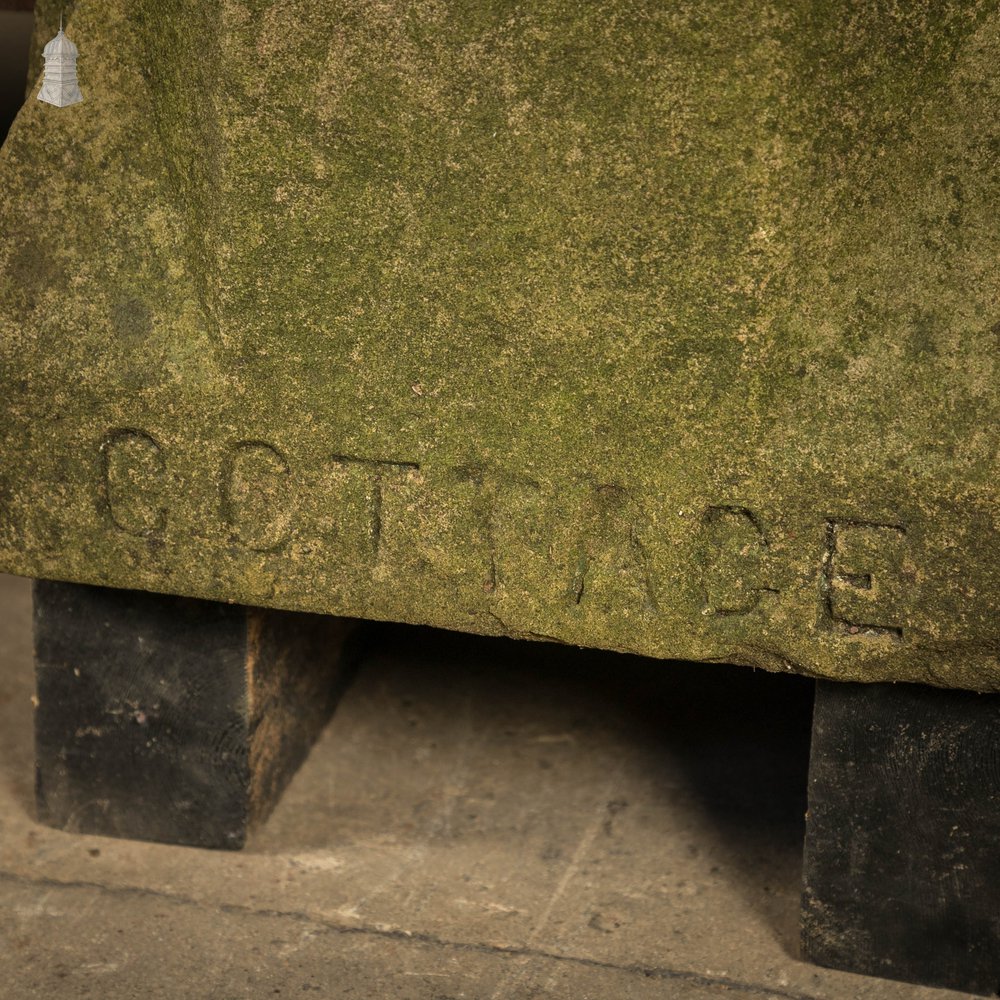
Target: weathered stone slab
pixel 670 329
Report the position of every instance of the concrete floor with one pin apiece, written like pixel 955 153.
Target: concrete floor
pixel 482 819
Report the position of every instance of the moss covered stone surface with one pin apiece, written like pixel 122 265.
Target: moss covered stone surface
pixel 671 328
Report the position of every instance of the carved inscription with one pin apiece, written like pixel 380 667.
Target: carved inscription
pixel 578 547
pixel 609 557
pixel 469 492
pixel 378 474
pixel 860 577
pixel 256 500
pixel 514 519
pixel 734 550
pixel 133 473
pixel 583 545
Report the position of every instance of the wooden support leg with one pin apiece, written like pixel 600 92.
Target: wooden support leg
pixel 171 719
pixel 902 857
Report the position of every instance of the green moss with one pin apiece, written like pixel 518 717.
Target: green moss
pixel 603 323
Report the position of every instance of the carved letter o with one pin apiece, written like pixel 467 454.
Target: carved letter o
pixel 257 495
pixel 133 481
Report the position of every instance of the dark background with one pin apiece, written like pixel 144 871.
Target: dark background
pixel 16 21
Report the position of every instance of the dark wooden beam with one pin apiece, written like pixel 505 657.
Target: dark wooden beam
pixel 902 857
pixel 170 719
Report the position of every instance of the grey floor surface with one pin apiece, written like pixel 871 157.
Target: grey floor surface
pixel 482 819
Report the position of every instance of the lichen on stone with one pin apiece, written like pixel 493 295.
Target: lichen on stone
pixel 670 329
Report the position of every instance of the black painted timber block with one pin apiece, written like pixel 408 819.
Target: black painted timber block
pixel 172 719
pixel 902 856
